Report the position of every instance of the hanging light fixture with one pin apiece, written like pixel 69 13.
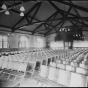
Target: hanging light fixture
pixel 60 29
pixel 63 29
pixel 7 12
pixel 68 29
pixel 21 14
pixel 12 34
pixel 22 8
pixel 4 6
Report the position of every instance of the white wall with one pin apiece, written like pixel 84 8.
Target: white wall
pixel 53 44
pixel 13 40
pixel 82 43
pixel 51 37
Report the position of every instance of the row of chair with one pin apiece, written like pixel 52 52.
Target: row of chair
pixel 68 69
pixel 19 62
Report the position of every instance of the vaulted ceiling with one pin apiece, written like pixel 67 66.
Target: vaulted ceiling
pixel 44 16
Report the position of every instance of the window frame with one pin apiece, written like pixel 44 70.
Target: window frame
pixel 20 45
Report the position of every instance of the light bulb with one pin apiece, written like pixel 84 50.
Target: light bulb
pixel 22 8
pixel 12 34
pixel 63 29
pixel 60 29
pixel 21 14
pixel 68 29
pixel 76 34
pixel 4 6
pixel 7 12
pixel 82 37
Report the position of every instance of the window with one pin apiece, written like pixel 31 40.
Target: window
pixel 23 41
pixel 40 42
pixel 3 42
pixel 0 41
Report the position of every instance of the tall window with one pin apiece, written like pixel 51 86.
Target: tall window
pixel 23 41
pixel 40 42
pixel 3 42
pixel 0 41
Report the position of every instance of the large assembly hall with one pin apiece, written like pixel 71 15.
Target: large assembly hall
pixel 43 43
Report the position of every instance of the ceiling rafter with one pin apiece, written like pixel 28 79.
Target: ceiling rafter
pixel 37 28
pixel 51 33
pixel 51 25
pixel 56 8
pixel 64 17
pixel 39 4
pixel 71 21
pixel 74 16
pixel 13 5
pixel 52 21
pixel 61 24
pixel 80 22
pixel 24 16
pixel 76 20
pixel 5 26
pixel 50 29
pixel 27 20
pixel 67 18
pixel 77 13
pixel 68 11
pixel 24 30
pixel 14 32
pixel 75 6
pixel 29 17
pixel 56 27
pixel 77 26
pixel 43 23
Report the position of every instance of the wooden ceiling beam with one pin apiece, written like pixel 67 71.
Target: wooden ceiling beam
pixel 68 11
pixel 24 16
pixel 73 16
pixel 50 29
pixel 75 6
pixel 5 26
pixel 56 8
pixel 39 4
pixel 14 5
pixel 77 12
pixel 52 21
pixel 43 21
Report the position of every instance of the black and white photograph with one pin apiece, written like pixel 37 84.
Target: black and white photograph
pixel 43 43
